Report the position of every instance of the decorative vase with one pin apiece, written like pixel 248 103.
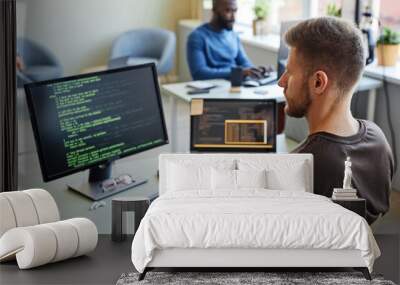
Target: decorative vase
pixel 387 54
pixel 259 27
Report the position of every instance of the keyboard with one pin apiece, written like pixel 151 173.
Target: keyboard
pixel 271 77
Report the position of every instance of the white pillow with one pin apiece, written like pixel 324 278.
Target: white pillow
pixel 292 180
pixel 183 177
pixel 281 174
pixel 230 180
pixel 251 178
pixel 223 179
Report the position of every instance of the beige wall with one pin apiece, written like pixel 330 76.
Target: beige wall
pixel 80 32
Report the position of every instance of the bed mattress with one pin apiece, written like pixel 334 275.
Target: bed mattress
pixel 250 219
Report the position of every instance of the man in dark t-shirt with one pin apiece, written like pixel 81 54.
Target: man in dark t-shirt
pixel 372 164
pixel 326 60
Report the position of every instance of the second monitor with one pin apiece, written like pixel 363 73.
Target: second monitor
pixel 233 125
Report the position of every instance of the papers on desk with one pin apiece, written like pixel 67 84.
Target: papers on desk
pixel 261 91
pixel 201 85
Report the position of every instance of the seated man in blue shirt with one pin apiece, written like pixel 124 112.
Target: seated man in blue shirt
pixel 213 49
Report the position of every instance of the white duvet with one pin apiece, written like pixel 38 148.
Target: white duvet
pixel 250 219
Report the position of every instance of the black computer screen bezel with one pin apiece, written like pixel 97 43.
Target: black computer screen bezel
pixel 234 149
pixel 41 148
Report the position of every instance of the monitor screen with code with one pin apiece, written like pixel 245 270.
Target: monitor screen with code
pixel 233 125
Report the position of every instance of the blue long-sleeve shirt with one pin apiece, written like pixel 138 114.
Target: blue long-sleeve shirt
pixel 212 54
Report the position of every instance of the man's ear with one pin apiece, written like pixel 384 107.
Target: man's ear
pixel 318 82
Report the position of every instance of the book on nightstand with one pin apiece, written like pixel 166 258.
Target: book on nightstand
pixel 344 194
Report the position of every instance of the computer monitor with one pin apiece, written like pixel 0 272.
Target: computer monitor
pixel 90 120
pixel 238 125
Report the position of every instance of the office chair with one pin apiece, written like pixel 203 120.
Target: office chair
pixel 143 46
pixel 40 63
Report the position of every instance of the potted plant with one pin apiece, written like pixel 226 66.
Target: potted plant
pixel 333 10
pixel 388 47
pixel 260 9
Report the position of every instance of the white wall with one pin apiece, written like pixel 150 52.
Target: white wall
pixel 80 32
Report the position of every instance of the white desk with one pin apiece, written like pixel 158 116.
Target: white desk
pixel 274 92
pixel 179 91
pixel 390 73
pixel 222 91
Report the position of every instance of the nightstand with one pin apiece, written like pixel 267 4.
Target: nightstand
pixel 358 205
pixel 139 205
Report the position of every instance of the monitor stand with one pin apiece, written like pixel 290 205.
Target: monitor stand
pixel 102 185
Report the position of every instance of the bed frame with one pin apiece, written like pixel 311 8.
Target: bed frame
pixel 256 258
pixel 242 258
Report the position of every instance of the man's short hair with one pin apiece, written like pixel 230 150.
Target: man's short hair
pixel 216 2
pixel 332 45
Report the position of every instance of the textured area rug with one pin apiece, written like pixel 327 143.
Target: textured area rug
pixel 229 278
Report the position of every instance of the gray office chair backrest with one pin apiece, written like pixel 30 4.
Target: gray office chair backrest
pixel 158 44
pixel 34 54
pixel 283 51
pixel 40 62
pixel 296 129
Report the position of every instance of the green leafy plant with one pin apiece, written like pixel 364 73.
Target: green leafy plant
pixel 389 37
pixel 261 9
pixel 333 10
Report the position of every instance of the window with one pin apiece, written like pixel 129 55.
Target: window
pixel 280 10
pixel 390 14
pixel 287 10
pixel 322 6
pixel 244 15
pixel 207 4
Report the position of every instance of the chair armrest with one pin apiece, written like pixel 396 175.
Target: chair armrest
pixel 168 55
pixel 22 79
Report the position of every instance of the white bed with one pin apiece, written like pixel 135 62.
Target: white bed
pixel 222 210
